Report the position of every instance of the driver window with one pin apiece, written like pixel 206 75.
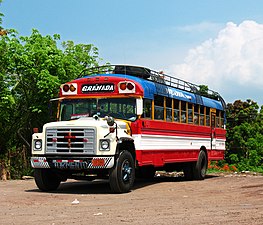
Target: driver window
pixel 66 112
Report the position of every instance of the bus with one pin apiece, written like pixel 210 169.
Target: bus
pixel 119 122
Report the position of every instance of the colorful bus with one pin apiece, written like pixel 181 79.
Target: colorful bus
pixel 119 122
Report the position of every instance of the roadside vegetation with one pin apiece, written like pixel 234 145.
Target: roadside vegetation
pixel 245 136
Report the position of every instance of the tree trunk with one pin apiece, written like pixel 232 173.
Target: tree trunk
pixel 3 170
pixel 24 156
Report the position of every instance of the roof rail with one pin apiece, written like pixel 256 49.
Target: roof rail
pixel 157 77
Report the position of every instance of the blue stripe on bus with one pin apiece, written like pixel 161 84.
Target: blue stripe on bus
pixel 150 89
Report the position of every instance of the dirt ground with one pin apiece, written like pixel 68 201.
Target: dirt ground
pixel 219 199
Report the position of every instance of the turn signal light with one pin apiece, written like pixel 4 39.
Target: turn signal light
pixel 72 88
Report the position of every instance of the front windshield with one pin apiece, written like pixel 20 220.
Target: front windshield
pixel 115 107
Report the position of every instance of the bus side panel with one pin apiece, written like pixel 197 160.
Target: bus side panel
pixel 220 137
pixel 159 142
pixel 159 158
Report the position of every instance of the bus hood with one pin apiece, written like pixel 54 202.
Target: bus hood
pixel 85 122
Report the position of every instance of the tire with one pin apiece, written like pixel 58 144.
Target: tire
pixel 123 173
pixel 200 167
pixel 46 179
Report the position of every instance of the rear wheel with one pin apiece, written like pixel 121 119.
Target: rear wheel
pixel 200 167
pixel 46 179
pixel 123 174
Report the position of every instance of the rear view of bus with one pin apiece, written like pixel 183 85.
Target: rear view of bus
pixel 121 122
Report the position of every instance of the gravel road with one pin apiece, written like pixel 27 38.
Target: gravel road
pixel 219 199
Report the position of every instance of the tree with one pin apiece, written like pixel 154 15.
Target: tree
pixel 2 31
pixel 244 135
pixel 31 71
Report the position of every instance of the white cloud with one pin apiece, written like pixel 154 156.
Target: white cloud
pixel 231 61
pixel 200 27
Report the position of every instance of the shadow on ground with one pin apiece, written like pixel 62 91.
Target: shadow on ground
pixel 103 187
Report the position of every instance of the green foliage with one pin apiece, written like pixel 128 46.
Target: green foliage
pixel 1 15
pixel 203 90
pixel 31 71
pixel 245 135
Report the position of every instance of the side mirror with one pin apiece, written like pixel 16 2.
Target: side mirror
pixel 139 106
pixel 110 120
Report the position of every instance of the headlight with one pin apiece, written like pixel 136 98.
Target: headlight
pixel 37 145
pixel 104 145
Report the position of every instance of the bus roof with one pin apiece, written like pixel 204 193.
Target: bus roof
pixel 155 83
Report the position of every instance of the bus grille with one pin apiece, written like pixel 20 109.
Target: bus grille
pixel 71 140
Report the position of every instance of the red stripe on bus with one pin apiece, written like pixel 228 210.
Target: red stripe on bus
pixel 158 158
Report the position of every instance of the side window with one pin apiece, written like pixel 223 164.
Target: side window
pixel 190 113
pixel 202 115
pixel 147 108
pixel 158 108
pixel 168 109
pixel 66 112
pixel 183 112
pixel 222 119
pixel 207 116
pixel 196 114
pixel 213 120
pixel 176 110
pixel 218 118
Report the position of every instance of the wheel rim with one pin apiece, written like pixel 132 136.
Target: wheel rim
pixel 126 171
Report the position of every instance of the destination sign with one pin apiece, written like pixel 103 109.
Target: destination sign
pixel 164 90
pixel 91 88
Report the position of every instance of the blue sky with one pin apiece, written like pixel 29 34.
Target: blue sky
pixel 218 43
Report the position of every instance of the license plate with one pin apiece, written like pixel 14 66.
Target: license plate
pixel 71 165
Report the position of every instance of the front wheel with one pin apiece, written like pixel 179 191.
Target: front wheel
pixel 46 179
pixel 123 174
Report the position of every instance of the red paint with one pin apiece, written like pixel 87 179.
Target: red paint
pixel 159 158
pixel 101 80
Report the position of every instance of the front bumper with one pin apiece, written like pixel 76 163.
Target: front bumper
pixel 73 164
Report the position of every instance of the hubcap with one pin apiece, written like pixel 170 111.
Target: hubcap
pixel 126 171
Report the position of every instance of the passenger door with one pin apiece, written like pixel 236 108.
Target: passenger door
pixel 213 128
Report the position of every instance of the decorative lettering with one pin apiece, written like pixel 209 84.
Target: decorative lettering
pixel 178 94
pixel 91 88
pixel 71 165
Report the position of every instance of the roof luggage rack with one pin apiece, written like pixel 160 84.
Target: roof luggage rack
pixel 157 77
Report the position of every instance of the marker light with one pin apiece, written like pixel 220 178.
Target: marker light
pixel 69 89
pixel 123 86
pixel 130 86
pixel 126 87
pixel 66 88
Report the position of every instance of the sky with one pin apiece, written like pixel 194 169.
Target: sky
pixel 218 43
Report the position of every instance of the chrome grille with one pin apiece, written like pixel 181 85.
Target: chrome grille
pixel 71 140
